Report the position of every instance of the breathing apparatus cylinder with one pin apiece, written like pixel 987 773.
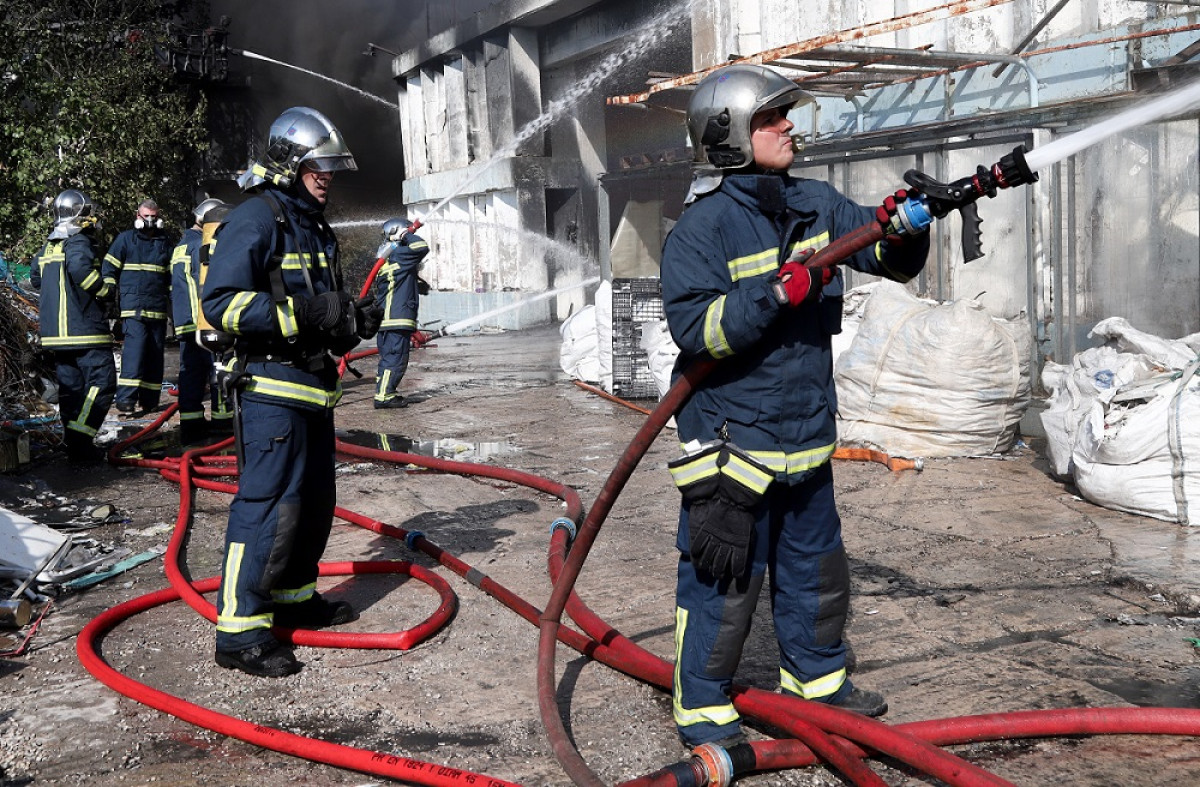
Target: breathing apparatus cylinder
pixel 209 336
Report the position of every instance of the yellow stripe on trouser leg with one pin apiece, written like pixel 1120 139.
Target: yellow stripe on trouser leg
pixel 685 717
pixel 824 686
pixel 227 618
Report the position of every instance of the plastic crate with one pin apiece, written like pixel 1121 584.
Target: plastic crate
pixel 634 303
pixel 632 378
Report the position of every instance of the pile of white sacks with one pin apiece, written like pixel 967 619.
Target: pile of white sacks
pixel 1124 422
pixel 914 377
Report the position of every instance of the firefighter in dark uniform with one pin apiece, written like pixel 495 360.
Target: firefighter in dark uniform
pixel 138 266
pixel 759 431
pixel 396 291
pixel 195 362
pixel 72 323
pixel 274 284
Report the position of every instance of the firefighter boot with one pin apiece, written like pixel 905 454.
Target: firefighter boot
pixel 314 613
pixel 270 659
pixel 861 701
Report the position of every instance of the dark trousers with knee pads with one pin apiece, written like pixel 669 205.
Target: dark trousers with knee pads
pixel 798 541
pixel 279 521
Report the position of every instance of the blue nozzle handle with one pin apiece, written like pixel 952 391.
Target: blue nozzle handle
pixel 914 215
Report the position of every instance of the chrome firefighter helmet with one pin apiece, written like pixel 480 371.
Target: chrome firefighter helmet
pixel 205 207
pixel 73 212
pixel 723 104
pixel 301 135
pixel 394 229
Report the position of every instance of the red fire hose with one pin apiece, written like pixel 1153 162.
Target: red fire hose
pixel 822 733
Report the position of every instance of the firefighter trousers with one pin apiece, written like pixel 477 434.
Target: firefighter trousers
pixel 279 521
pixel 195 376
pixel 87 381
pixel 140 383
pixel 394 350
pixel 798 544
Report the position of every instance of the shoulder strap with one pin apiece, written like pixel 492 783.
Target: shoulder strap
pixel 275 272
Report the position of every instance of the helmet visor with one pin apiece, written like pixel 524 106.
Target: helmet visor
pixel 331 163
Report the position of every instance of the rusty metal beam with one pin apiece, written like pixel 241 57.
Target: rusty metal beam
pixel 902 22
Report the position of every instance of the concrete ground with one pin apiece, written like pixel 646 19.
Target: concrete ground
pixel 980 586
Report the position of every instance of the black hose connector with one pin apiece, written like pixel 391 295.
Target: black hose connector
pixel 1012 170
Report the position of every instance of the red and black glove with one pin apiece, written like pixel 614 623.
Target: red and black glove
pixel 885 214
pixel 796 284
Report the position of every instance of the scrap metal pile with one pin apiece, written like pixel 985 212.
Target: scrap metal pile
pixel 23 365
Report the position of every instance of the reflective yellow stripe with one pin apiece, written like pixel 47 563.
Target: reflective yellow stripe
pixel 75 341
pixel 823 686
pixel 714 334
pixel 135 383
pixel 286 316
pixel 295 261
pixel 116 263
pixel 191 416
pixel 90 280
pixel 384 382
pixel 227 618
pixel 308 394
pixel 399 323
pixel 754 264
pixel 418 245
pixel 795 462
pixel 747 474
pixel 147 267
pixel 149 315
pixel 686 717
pixel 237 306
pixel 296 595
pixel 80 423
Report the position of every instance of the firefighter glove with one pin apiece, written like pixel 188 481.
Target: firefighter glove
pixel 328 311
pixel 795 284
pixel 885 214
pixel 369 316
pixel 721 533
pixel 721 487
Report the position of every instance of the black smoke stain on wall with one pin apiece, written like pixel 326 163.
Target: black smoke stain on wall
pixel 329 38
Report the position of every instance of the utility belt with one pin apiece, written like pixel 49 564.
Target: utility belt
pixel 311 361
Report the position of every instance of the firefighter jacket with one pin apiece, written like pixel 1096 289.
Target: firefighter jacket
pixel 138 264
pixel 68 274
pixel 273 252
pixel 772 392
pixel 185 272
pixel 396 285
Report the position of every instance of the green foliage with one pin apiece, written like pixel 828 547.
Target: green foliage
pixel 86 103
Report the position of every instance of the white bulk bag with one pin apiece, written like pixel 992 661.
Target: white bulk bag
pixel 578 355
pixel 923 379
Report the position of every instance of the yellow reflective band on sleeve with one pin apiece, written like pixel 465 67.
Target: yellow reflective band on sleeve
pixel 295 392
pixel 116 263
pixel 231 319
pixel 286 316
pixel 686 717
pixel 228 620
pixel 796 461
pixel 418 245
pixel 90 280
pixel 823 686
pixel 294 596
pixel 714 334
pixel 754 264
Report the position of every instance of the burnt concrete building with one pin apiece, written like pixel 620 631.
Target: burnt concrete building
pixel 563 121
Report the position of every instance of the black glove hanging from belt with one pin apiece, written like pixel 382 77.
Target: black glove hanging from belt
pixel 722 486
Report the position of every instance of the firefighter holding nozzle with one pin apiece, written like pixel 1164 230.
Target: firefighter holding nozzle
pixel 274 284
pixel 759 431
